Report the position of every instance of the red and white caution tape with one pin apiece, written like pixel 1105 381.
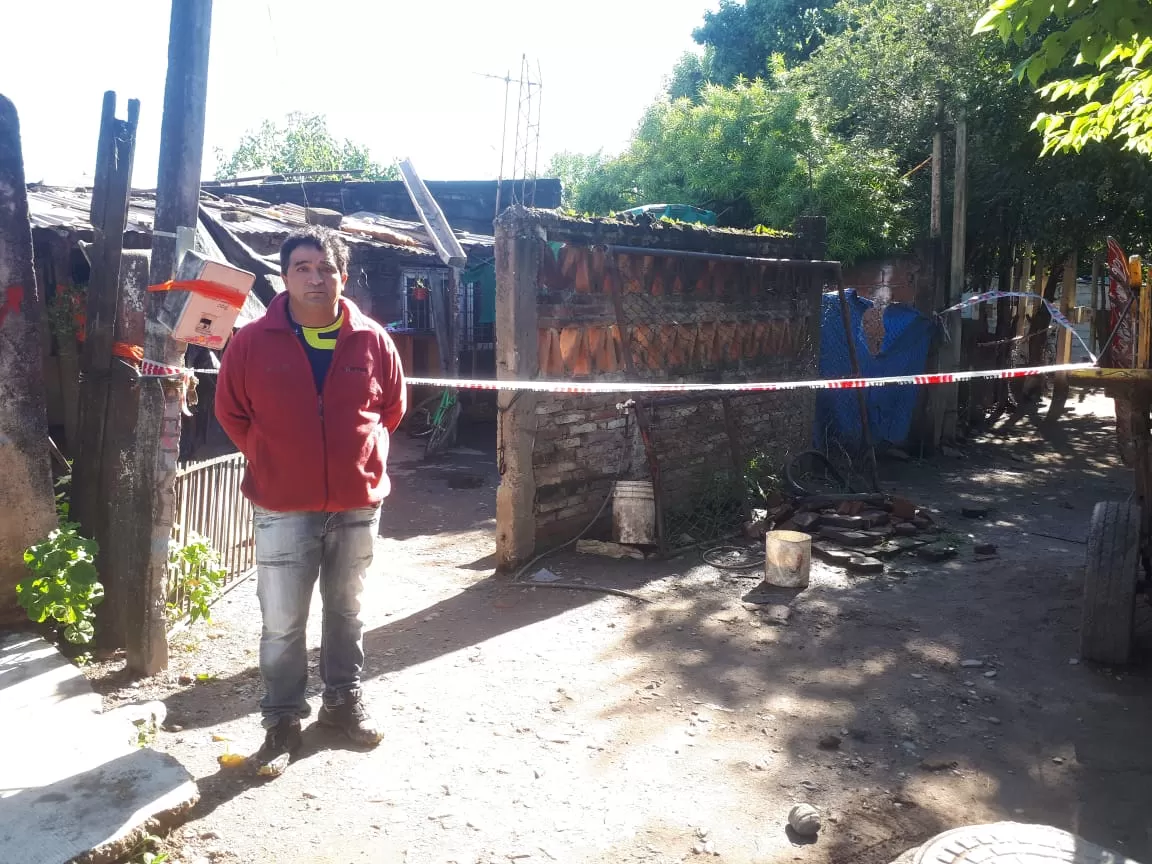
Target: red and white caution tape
pixel 749 387
pixel 183 375
pixel 1058 317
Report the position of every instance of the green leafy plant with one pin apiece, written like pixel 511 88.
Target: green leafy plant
pixel 144 851
pixel 64 587
pixel 1090 48
pixel 66 311
pixel 302 143
pixel 196 574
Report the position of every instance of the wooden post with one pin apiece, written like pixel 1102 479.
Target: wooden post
pixel 518 245
pixel 158 438
pixel 934 292
pixel 952 357
pixel 115 152
pixel 1063 341
pixel 25 474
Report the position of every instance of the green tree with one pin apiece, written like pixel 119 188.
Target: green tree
pixel 754 153
pixel 901 66
pixel 692 71
pixel 1097 57
pixel 303 143
pixel 745 35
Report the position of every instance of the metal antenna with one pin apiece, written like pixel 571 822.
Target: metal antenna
pixel 526 140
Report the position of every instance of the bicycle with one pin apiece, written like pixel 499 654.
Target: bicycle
pixel 435 418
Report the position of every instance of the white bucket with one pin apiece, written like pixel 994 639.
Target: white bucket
pixel 634 512
pixel 787 558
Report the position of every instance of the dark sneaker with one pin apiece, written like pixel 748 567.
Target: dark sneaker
pixel 351 718
pixel 280 743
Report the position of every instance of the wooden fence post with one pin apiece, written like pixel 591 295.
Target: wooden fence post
pixel 109 215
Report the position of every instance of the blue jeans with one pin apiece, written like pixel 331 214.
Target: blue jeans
pixel 292 551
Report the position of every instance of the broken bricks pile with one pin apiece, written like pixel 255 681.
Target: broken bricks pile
pixel 859 532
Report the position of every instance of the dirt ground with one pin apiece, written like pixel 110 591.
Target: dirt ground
pixel 552 725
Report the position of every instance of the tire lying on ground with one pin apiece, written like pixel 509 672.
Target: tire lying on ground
pixel 1110 577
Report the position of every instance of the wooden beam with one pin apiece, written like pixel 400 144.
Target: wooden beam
pixel 439 231
pixel 952 357
pixel 1110 376
pixel 115 154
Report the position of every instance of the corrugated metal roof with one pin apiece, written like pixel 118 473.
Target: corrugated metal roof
pixel 67 209
pixel 50 207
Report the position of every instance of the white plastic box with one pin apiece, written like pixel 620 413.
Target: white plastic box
pixel 205 318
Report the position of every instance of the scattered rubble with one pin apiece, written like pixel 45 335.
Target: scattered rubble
pixel 975 512
pixel 939 764
pixel 859 532
pixel 804 819
pixel 936 552
pixel 609 550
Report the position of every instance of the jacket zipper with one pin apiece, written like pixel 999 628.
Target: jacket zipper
pixel 323 427
pixel 319 407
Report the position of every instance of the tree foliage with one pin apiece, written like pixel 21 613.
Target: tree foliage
pixel 753 153
pixel 303 143
pixel 845 132
pixel 690 74
pixel 744 36
pixel 1096 55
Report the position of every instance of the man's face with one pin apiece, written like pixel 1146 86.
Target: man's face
pixel 313 280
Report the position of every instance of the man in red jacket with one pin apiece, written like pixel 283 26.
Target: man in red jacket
pixel 311 394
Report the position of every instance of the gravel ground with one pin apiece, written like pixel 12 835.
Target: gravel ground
pixel 552 725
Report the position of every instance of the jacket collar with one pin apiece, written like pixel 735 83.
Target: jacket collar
pixel 277 315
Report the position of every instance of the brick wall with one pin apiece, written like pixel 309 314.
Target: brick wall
pixel 618 316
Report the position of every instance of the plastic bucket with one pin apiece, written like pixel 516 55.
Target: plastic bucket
pixel 787 558
pixel 634 512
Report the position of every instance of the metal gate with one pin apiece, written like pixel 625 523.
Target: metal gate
pixel 209 503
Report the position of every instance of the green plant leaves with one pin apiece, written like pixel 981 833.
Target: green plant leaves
pixel 64 586
pixel 196 575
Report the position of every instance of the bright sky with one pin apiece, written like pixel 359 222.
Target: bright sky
pixel 397 77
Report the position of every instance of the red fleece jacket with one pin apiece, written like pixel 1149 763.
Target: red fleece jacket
pixel 325 452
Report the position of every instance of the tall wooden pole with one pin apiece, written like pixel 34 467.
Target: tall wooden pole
pixel 115 153
pixel 177 200
pixel 932 294
pixel 951 356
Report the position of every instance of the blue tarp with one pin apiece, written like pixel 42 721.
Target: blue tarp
pixel 903 351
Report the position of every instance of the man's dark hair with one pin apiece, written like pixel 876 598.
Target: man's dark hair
pixel 318 237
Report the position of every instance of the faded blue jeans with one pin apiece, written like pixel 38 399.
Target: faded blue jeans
pixel 292 551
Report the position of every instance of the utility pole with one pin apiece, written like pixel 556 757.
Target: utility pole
pixel 177 203
pixel 951 355
pixel 935 293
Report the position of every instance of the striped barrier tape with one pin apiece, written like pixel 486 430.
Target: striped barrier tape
pixel 749 387
pixel 1058 317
